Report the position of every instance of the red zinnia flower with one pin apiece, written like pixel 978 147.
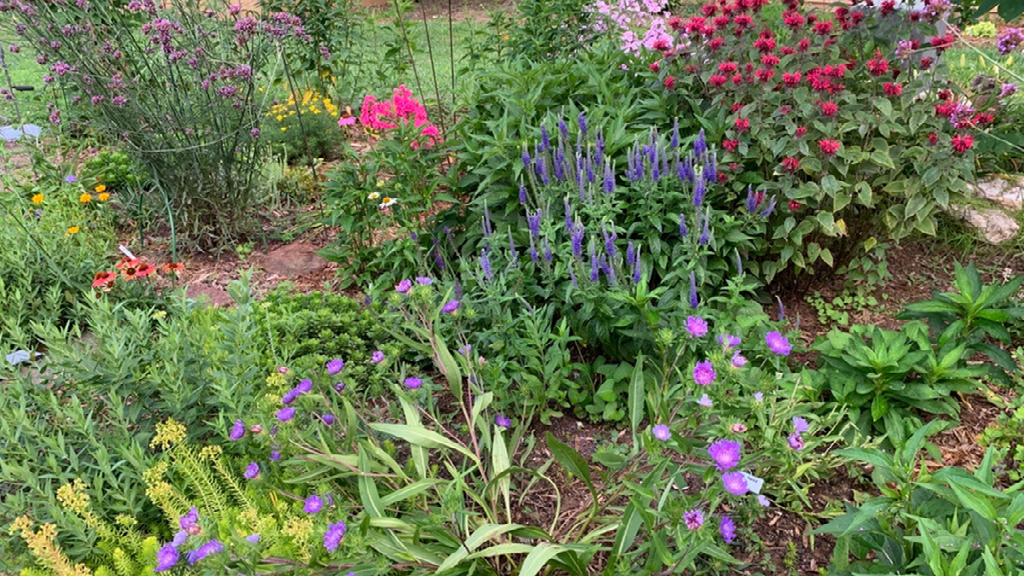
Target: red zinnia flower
pixel 742 124
pixel 829 147
pixel 730 145
pixel 791 163
pixel 893 89
pixel 103 278
pixel 670 82
pixel 962 142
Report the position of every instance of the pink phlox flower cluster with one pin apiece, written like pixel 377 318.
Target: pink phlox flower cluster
pixel 628 17
pixel 400 109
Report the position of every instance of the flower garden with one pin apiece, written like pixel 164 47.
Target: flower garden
pixel 560 287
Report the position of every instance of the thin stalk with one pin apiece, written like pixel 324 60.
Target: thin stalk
pixel 451 55
pixel 305 138
pixel 408 47
pixel 10 88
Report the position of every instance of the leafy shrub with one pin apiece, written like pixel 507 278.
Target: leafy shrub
pixel 184 99
pixel 551 29
pixel 981 30
pixel 115 170
pixel 313 136
pixel 847 118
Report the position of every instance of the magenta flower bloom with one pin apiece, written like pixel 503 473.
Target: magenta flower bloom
pixel 704 373
pixel 502 421
pixel 796 442
pixel 662 432
pixel 738 360
pixel 778 343
pixel 335 366
pixel 166 558
pixel 333 536
pixel 377 357
pixel 313 504
pixel 252 471
pixel 189 522
pixel 403 287
pixel 800 425
pixel 285 414
pixel 696 326
pixel 237 431
pixel 735 483
pixel 705 401
pixel 211 547
pixel 728 341
pixel 450 307
pixel 727 528
pixel 725 453
pixel 694 519
pixel 413 383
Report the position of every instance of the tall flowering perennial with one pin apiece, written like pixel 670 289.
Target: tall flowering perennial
pixel 792 86
pixel 638 24
pixel 400 110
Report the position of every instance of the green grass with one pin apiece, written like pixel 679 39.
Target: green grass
pixel 24 71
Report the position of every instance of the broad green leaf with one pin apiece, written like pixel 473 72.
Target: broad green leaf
pixel 637 396
pixel 575 463
pixel 480 536
pixel 499 464
pixel 539 557
pixel 410 491
pixel 418 436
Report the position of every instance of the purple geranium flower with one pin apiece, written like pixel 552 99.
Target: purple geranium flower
pixel 450 307
pixel 662 432
pixel 413 383
pixel 778 343
pixel 313 504
pixel 252 471
pixel 166 557
pixel 727 528
pixel 735 483
pixel 333 536
pixel 71 178
pixel 696 326
pixel 335 366
pixel 377 357
pixel 800 425
pixel 285 414
pixel 305 385
pixel 758 397
pixel 424 281
pixel 275 455
pixel 704 373
pixel 290 396
pixel 179 538
pixel 763 500
pixel 403 287
pixel 237 431
pixel 725 453
pixel 502 421
pixel 211 547
pixel 694 519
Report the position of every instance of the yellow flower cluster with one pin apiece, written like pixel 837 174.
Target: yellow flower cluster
pixel 168 433
pixel 311 102
pixel 44 547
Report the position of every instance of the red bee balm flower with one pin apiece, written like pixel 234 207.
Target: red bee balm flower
pixel 828 109
pixel 829 147
pixel 670 82
pixel 656 65
pixel 933 139
pixel 893 89
pixel 801 131
pixel 730 145
pixel 962 142
pixel 717 80
pixel 791 163
pixel 742 124
pixel 878 65
pixel 794 205
pixel 103 278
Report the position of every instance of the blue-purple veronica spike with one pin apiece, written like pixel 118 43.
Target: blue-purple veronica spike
pixel 522 195
pixel 609 179
pixel 547 251
pixel 533 221
pixel 526 158
pixel 568 216
pixel 751 200
pixel 711 170
pixel 485 265
pixel 512 247
pixel 581 183
pixel 636 269
pixel 682 226
pixel 542 170
pixel 675 134
pixel 572 276
pixel 630 254
pixel 655 164
pixel 698 192
pixel 563 128
pixel 700 145
pixel 590 169
pixel 608 269
pixel 594 264
pixel 706 231
pixel 559 161
pixel 578 232
pixel 694 298
pixel 545 140
pixel 768 211
pixel 533 250
pixel 609 241
pixel 582 120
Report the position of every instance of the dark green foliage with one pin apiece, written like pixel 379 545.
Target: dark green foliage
pixel 549 29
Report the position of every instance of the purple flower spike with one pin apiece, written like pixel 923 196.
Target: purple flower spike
pixel 694 519
pixel 285 414
pixel 694 298
pixel 166 558
pixel 334 366
pixel 502 421
pixel 333 536
pixel 413 383
pixel 313 504
pixel 735 483
pixel 778 343
pixel 725 453
pixel 800 425
pixel 377 357
pixel 450 307
pixel 237 431
pixel 252 471
pixel 662 432
pixel 403 287
pixel 727 528
pixel 696 326
pixel 704 373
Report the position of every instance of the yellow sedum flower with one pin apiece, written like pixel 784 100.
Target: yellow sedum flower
pixel 168 433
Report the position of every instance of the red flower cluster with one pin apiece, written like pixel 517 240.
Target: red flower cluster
pixel 893 89
pixel 829 147
pixel 132 269
pixel 961 143
pixel 790 164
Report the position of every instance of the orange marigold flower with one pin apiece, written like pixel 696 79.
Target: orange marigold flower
pixel 103 197
pixel 100 188
pixel 85 198
pixel 103 278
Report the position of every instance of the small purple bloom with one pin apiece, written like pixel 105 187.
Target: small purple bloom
pixel 727 528
pixel 424 281
pixel 522 195
pixel 450 307
pixel 71 178
pixel 758 397
pixel 800 425
pixel 166 557
pixel 705 401
pixel 704 372
pixel 328 419
pixel 377 357
pixel 735 483
pixel 211 547
pixel 502 421
pixel 578 232
pixel 796 442
pixel 696 326
pixel 662 432
pixel 725 453
pixel 485 265
pixel 334 366
pixel 285 414
pixel 582 121
pixel 313 504
pixel 778 343
pixel 290 396
pixel 252 471
pixel 738 360
pixel 683 231
pixel 413 383
pixel 763 500
pixel 189 520
pixel 333 536
pixel 254 538
pixel 305 385
pixel 694 519
pixel 403 287
pixel 339 387
pixel 275 455
pixel 237 431
pixel 533 222
pixel 728 341
pixel 179 538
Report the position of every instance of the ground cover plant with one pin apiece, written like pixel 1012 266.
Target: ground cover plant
pixel 562 330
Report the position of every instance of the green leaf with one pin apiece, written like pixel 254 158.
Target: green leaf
pixel 499 464
pixel 573 461
pixel 879 406
pixel 536 560
pixel 410 491
pixel 884 106
pixel 480 536
pixel 419 436
pixel 636 399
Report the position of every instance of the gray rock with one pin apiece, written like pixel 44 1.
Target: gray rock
pixel 1005 191
pixel 995 226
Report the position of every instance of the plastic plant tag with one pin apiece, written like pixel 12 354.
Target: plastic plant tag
pixel 754 483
